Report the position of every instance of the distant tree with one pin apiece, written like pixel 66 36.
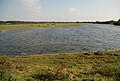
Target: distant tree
pixel 117 23
pixel 119 20
pixel 77 21
pixel 2 22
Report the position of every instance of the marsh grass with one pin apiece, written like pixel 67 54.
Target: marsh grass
pixel 41 25
pixel 89 66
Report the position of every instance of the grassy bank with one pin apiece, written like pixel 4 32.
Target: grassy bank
pixel 90 66
pixel 41 25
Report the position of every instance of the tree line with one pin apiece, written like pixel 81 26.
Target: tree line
pixel 33 22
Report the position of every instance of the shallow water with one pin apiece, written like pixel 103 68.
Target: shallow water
pixel 87 37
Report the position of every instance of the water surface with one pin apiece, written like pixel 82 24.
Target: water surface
pixel 87 37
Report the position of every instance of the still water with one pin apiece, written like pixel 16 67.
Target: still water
pixel 87 37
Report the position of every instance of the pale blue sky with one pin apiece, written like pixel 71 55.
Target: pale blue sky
pixel 59 10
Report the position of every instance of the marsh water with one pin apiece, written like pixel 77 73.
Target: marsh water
pixel 86 37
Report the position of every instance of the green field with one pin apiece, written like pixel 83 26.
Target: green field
pixel 89 66
pixel 41 25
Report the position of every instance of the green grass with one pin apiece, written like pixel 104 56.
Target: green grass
pixel 42 25
pixel 89 66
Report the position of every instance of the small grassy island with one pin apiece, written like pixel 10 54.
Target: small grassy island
pixel 88 66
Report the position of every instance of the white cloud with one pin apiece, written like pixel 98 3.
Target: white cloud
pixel 74 11
pixel 34 5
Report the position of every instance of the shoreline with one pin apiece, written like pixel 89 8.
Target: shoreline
pixel 37 54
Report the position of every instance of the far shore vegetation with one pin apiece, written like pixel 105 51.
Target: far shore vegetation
pixel 87 66
pixel 111 22
pixel 19 24
pixel 7 25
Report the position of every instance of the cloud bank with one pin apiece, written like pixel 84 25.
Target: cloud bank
pixel 34 5
pixel 74 11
